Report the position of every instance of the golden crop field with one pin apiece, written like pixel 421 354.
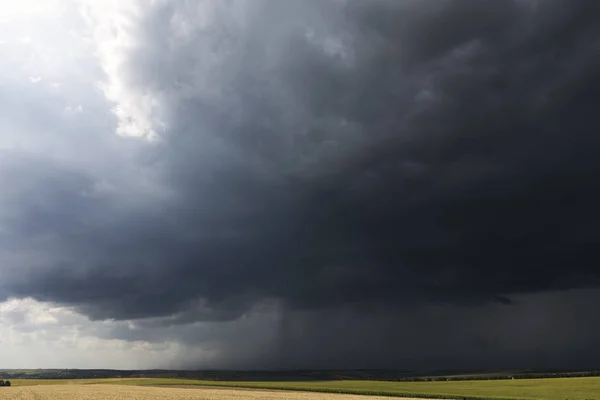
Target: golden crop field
pixel 120 392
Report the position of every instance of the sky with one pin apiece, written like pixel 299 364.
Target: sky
pixel 266 184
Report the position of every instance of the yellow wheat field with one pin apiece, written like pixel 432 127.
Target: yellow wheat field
pixel 118 392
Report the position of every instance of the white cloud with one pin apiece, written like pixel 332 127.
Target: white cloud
pixel 40 335
pixel 112 29
pixel 189 33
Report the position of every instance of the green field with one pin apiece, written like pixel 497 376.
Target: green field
pixel 545 389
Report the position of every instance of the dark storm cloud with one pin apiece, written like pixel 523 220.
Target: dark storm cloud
pixel 370 155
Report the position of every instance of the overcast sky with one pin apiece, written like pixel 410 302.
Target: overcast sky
pixel 299 184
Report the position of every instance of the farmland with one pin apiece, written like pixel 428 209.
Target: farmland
pixel 548 389
pixel 118 392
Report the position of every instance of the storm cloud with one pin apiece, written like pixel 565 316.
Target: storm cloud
pixel 388 169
